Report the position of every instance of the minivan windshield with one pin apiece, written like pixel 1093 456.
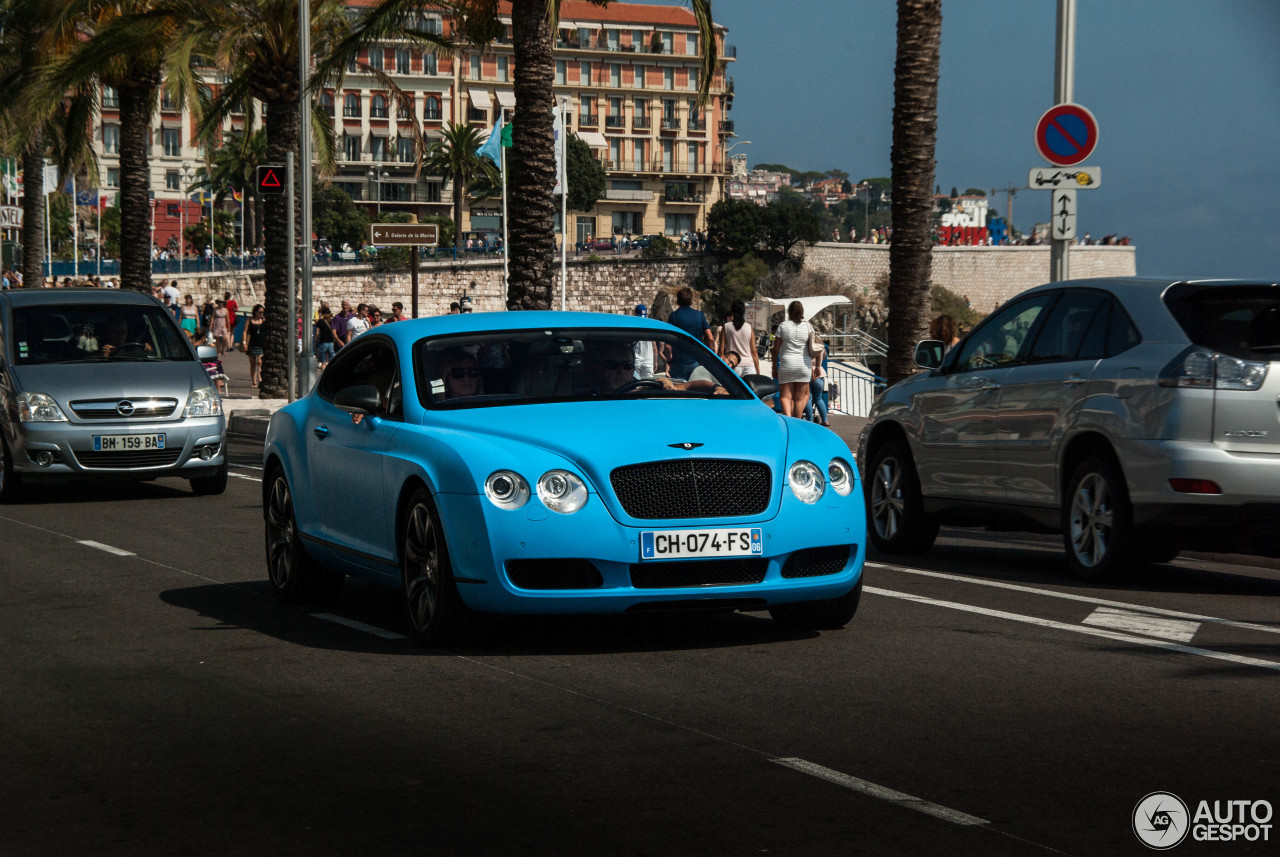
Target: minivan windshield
pixel 94 333
pixel 1240 321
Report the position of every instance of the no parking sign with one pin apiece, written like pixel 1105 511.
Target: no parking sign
pixel 1066 134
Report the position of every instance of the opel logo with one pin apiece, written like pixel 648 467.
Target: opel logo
pixel 124 408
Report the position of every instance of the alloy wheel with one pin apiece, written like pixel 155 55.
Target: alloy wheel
pixel 421 567
pixel 281 561
pixel 1092 520
pixel 886 498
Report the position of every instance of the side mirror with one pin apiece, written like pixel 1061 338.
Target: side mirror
pixel 206 353
pixel 929 353
pixel 762 385
pixel 361 399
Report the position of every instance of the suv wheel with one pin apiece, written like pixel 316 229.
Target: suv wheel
pixel 895 508
pixel 1097 521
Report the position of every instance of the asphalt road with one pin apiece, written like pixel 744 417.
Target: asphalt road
pixel 155 700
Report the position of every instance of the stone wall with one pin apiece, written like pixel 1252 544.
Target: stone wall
pixel 987 276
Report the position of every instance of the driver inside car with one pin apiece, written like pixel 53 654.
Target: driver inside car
pixel 613 366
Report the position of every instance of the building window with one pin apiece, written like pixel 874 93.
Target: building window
pixel 433 191
pixel 502 69
pixel 693 158
pixel 431 109
pixel 171 180
pixel 355 190
pixel 402 61
pixel 668 78
pixel 587 110
pixel 667 42
pixel 404 149
pixel 377 57
pixel 641 117
pixel 113 177
pixel 668 152
pixel 691 44
pixel 678 224
pixel 559 72
pixel 397 192
pixel 111 139
pixel 475 67
pixel 586 228
pixel 641 154
pixel 110 98
pixel 615 74
pixel 326 102
pixel 693 78
pixel 430 64
pixel 378 107
pixel 611 36
pixel 640 75
pixel 404 109
pixel 615 153
pixel 584 74
pixel 166 100
pixel 378 148
pixel 351 105
pixel 172 138
pixel 351 147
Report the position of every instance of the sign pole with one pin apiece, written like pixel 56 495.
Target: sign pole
pixel 413 277
pixel 290 349
pixel 1063 93
pixel 306 360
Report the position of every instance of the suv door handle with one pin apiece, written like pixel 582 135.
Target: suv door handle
pixel 1074 380
pixel 989 387
pixel 321 432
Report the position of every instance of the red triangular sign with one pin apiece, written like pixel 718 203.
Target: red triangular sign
pixel 269 179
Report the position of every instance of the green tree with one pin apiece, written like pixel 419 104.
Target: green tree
pixel 742 278
pixel 733 227
pixel 454 155
pixel 915 131
pixel 224 232
pixel 586 176
pixel 235 166
pixel 335 216
pixel 784 227
pixel 111 232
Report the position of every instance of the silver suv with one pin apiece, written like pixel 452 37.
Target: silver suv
pixel 1137 417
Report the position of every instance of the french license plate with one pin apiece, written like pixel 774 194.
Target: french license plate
pixel 127 442
pixel 683 544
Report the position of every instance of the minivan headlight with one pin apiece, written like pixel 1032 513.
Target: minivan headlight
pixel 561 491
pixel 806 481
pixel 39 408
pixel 204 402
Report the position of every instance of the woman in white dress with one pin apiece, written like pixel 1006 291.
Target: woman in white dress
pixel 793 367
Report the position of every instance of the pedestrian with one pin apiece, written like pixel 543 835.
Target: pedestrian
pixel 171 297
pixel 358 323
pixel 375 317
pixel 189 316
pixel 326 339
pixel 817 392
pixel 252 342
pixel 737 335
pixel 943 328
pixel 340 322
pixel 794 365
pixel 218 327
pixel 397 312
pixel 455 308
pixel 232 309
pixel 642 350
pixel 694 323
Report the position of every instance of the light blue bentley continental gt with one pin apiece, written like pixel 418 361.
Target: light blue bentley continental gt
pixel 535 462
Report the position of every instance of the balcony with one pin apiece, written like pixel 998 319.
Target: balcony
pixel 670 125
pixel 697 125
pixel 351 113
pixel 614 122
pixel 588 120
pixel 628 195
pixel 726 126
pixel 475 114
pixel 640 122
pixel 693 198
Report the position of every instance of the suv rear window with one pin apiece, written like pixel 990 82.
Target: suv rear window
pixel 1241 321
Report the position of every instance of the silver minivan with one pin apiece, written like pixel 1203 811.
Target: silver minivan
pixel 1137 417
pixel 96 383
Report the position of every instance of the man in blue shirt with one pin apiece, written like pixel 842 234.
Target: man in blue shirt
pixel 692 322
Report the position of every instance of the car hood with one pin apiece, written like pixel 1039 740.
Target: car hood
pixel 68 382
pixel 600 436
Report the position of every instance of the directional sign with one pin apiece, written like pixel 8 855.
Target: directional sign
pixel 1076 178
pixel 1066 134
pixel 404 234
pixel 271 180
pixel 1063 215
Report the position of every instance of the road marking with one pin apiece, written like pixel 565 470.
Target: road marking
pixel 1078 629
pixel 881 793
pixel 108 548
pixel 242 476
pixel 246 466
pixel 359 626
pixel 1139 623
pixel 1140 608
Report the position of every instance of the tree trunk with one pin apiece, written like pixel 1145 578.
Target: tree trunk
pixel 531 161
pixel 915 129
pixel 33 202
pixel 136 101
pixel 458 182
pixel 283 125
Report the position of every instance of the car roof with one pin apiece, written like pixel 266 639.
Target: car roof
pixel 1143 285
pixel 494 322
pixel 64 297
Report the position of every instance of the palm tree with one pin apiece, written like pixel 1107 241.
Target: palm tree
pixel 531 161
pixel 915 131
pixel 235 165
pixel 454 155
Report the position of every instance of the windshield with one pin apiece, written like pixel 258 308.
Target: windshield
pixel 1242 321
pixel 90 333
pixel 568 365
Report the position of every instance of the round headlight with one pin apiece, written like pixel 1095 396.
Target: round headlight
pixel 806 481
pixel 506 489
pixel 561 491
pixel 840 475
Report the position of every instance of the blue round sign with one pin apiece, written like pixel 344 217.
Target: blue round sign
pixel 1066 134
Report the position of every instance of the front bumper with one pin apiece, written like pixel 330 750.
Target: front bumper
pixel 70 455
pixel 487 544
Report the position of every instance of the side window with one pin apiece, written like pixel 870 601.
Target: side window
pixel 1094 344
pixel 1066 326
pixel 372 363
pixel 1000 338
pixel 1122 334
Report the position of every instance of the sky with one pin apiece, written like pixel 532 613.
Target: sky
pixel 1186 94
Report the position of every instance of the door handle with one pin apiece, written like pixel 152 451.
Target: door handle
pixel 321 432
pixel 1075 380
pixel 989 387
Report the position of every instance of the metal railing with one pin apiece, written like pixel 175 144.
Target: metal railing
pixel 852 389
pixel 856 345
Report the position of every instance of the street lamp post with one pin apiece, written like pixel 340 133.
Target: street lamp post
pixel 187 175
pixel 866 209
pixel 376 176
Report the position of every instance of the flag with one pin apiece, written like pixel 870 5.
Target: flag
pixel 236 195
pixel 506 135
pixel 102 202
pixel 86 197
pixel 558 130
pixel 491 149
pixel 50 179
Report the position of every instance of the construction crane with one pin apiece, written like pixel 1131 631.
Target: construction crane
pixel 1010 192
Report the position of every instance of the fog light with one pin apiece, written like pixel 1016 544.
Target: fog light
pixel 206 452
pixel 1194 486
pixel 44 458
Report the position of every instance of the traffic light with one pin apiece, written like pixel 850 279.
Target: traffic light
pixel 271 180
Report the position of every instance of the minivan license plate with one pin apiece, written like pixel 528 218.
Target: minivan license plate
pixel 685 544
pixel 127 442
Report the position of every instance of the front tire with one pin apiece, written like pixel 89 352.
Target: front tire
pixel 215 484
pixel 435 610
pixel 1097 522
pixel 294 576
pixel 830 615
pixel 10 482
pixel 896 519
